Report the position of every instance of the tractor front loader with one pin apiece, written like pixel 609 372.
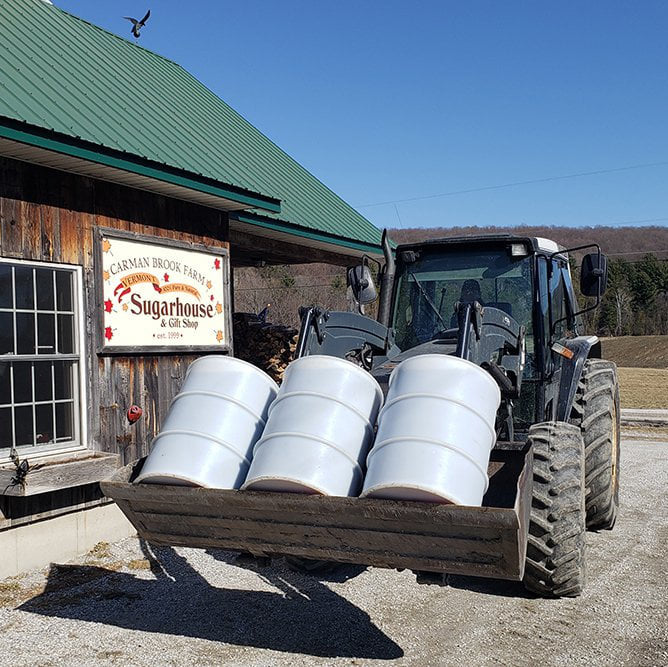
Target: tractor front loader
pixel 507 304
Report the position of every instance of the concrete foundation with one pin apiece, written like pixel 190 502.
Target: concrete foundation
pixel 62 538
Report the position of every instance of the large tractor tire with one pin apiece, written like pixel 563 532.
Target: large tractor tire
pixel 596 412
pixel 555 563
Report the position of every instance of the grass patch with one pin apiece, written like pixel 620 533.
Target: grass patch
pixel 13 594
pixel 141 564
pixel 9 592
pixel 100 550
pixel 643 387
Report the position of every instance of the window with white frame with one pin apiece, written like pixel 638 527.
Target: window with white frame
pixel 40 357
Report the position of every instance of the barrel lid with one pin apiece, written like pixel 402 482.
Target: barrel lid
pixel 432 360
pixel 227 359
pixel 316 359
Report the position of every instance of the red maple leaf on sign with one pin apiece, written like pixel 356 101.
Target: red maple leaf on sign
pixel 212 297
pixel 216 263
pixel 166 277
pixel 108 334
pixel 108 306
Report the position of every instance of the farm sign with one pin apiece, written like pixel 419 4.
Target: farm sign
pixel 157 296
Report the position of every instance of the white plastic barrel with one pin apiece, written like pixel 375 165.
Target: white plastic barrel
pixel 213 422
pixel 319 429
pixel 435 432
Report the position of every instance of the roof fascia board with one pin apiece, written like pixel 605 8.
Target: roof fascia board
pixel 295 230
pixel 71 148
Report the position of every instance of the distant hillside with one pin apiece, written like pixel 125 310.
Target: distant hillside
pixel 626 242
pixel 637 351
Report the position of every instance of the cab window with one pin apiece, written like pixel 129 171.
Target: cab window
pixel 560 311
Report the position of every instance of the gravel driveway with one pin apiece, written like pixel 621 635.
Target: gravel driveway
pixel 128 604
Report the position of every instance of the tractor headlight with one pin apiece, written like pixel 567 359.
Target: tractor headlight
pixel 518 250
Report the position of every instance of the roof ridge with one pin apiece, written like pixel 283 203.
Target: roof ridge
pixel 112 34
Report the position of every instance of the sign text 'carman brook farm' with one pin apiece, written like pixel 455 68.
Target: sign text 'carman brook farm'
pixel 157 295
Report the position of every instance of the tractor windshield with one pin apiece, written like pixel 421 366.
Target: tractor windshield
pixel 428 289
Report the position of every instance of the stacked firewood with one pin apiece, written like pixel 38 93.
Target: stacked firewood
pixel 268 346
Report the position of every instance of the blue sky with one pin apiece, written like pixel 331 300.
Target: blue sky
pixel 389 100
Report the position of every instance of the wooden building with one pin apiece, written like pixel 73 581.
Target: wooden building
pixel 128 194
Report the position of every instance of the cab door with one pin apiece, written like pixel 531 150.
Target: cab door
pixel 556 315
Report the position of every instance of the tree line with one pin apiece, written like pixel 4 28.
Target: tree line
pixel 636 301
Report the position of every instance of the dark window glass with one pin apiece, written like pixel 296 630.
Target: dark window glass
pixel 25 333
pixel 24 287
pixel 64 290
pixel 63 375
pixel 44 281
pixel 6 289
pixel 44 423
pixel 22 382
pixel 6 333
pixel 5 427
pixel 5 385
pixel 544 296
pixel 429 289
pixel 46 333
pixel 571 303
pixel 43 388
pixel 23 423
pixel 64 421
pixel 36 317
pixel 66 334
pixel 558 301
pixel 28 414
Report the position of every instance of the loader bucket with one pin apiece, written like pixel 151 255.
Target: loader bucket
pixel 487 541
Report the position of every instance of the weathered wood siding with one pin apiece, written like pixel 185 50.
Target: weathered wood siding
pixel 53 216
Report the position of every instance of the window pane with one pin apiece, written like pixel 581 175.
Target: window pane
pixel 44 278
pixel 6 333
pixel 5 427
pixel 23 422
pixel 25 333
pixel 44 422
pixel 66 334
pixel 64 421
pixel 5 386
pixel 46 334
pixel 24 287
pixel 6 296
pixel 64 290
pixel 63 372
pixel 558 301
pixel 43 388
pixel 22 382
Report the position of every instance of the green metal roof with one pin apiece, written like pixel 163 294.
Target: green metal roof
pixel 71 87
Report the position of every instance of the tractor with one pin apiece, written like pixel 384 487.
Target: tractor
pixel 507 304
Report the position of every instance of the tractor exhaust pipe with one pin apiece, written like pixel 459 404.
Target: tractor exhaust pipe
pixel 386 282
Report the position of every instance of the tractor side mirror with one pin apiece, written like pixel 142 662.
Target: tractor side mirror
pixel 593 274
pixel 361 283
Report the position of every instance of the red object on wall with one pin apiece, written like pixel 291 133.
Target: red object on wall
pixel 134 413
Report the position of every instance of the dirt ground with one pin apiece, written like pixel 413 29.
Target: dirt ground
pixel 643 387
pixel 126 604
pixel 637 351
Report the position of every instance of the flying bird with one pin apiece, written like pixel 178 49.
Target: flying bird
pixel 137 25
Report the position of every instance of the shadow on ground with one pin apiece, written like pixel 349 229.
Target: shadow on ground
pixel 304 617
pixel 496 587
